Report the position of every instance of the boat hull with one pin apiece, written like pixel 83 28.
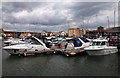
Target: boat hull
pixel 102 51
pixel 24 52
pixel 12 52
pixel 70 52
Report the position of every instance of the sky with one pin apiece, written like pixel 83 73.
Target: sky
pixel 57 16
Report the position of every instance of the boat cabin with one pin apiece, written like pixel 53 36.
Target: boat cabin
pixel 100 42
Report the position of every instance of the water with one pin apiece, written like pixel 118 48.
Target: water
pixel 59 65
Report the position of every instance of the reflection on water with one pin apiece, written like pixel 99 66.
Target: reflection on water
pixel 58 65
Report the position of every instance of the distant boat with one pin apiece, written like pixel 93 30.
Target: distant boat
pixel 12 41
pixel 34 46
pixel 100 46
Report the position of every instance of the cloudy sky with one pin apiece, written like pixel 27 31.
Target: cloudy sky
pixel 57 16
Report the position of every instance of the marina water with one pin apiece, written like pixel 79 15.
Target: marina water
pixel 59 65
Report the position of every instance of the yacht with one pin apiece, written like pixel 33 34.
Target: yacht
pixel 71 46
pixel 32 46
pixel 100 46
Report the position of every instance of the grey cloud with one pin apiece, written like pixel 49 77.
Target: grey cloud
pixel 18 6
pixel 87 9
pixel 58 15
pixel 14 7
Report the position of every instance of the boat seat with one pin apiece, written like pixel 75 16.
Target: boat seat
pixel 70 46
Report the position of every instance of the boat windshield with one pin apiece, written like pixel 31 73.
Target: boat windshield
pixel 96 43
pixel 33 41
pixel 103 43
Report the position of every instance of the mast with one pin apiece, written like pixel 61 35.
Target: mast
pixel 15 32
pixel 108 20
pixel 96 20
pixel 114 17
pixel 83 20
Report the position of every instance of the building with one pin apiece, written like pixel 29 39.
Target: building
pixel 10 33
pixel 82 32
pixel 20 34
pixel 76 32
pixel 96 33
pixel 1 31
pixel 73 32
pixel 100 29
pixel 25 34
pixel 63 34
pixel 114 36
pixel 114 30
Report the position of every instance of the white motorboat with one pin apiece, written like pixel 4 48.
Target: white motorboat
pixel 34 46
pixel 100 46
pixel 72 46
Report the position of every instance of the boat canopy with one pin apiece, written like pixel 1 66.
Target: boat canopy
pixel 76 42
pixel 84 39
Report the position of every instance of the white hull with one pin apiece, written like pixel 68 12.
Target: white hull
pixel 18 52
pixel 102 51
pixel 12 52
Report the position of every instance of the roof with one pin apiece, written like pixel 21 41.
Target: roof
pixel 73 29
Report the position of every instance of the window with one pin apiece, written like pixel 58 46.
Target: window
pixel 103 43
pixel 96 43
pixel 33 41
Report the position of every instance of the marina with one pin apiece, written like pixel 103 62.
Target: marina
pixel 32 45
pixel 60 39
pixel 48 64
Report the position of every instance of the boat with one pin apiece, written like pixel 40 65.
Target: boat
pixel 71 46
pixel 0 38
pixel 12 41
pixel 32 47
pixel 101 46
